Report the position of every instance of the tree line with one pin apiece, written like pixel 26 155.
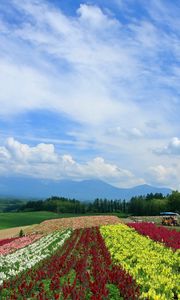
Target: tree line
pixel 151 204
pixel 65 205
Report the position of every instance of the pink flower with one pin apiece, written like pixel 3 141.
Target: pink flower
pixel 18 243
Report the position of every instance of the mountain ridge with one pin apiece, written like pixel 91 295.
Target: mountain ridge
pixel 86 190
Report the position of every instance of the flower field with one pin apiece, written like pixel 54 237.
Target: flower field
pixel 81 269
pixel 25 258
pixel 159 234
pixel 110 262
pixel 155 267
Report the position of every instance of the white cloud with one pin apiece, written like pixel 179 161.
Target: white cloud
pixel 118 79
pixel 4 154
pixel 136 132
pixel 161 172
pixel 42 153
pixel 165 175
pixel 129 133
pixel 94 16
pixel 22 88
pixel 98 168
pixel 42 161
pixel 173 148
pixel 80 71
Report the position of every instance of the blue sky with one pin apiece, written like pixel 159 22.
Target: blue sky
pixel 90 89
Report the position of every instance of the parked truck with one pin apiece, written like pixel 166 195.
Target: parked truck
pixel 170 218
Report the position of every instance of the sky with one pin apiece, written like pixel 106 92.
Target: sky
pixel 90 89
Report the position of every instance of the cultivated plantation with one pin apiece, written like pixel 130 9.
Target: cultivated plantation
pixel 95 258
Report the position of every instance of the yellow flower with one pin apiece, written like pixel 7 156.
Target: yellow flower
pixel 152 265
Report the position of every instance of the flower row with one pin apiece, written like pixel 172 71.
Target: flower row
pixel 75 223
pixel 18 243
pixel 155 267
pixel 6 241
pixel 25 258
pixel 81 269
pixel 171 238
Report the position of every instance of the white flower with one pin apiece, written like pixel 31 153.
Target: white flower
pixel 25 258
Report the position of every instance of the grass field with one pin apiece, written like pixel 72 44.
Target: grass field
pixel 9 220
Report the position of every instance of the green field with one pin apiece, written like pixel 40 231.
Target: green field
pixel 9 220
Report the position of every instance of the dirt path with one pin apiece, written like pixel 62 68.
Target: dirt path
pixel 126 220
pixel 11 232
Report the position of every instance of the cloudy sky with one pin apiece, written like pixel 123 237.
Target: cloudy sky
pixel 91 90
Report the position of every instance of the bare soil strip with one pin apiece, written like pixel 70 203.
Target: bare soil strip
pixel 74 223
pixel 12 232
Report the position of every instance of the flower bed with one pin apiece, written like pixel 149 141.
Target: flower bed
pixel 25 258
pixel 81 269
pixel 6 241
pixel 159 234
pixel 155 267
pixel 18 243
pixel 75 222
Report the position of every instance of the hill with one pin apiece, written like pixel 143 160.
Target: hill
pixel 82 190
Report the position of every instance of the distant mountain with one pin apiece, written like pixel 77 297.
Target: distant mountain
pixel 86 190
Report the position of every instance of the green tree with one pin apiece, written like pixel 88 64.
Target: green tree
pixel 174 201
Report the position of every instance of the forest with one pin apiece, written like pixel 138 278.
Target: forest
pixel 151 204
